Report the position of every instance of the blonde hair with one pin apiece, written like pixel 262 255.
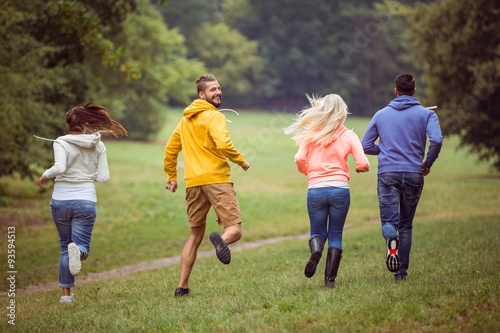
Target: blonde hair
pixel 318 123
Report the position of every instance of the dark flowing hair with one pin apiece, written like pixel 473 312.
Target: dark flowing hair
pixel 93 118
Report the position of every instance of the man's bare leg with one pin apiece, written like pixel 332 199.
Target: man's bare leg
pixel 189 252
pixel 232 234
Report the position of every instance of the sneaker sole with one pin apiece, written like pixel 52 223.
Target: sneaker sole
pixel 75 264
pixel 392 259
pixel 221 249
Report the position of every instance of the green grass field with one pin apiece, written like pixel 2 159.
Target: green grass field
pixel 453 283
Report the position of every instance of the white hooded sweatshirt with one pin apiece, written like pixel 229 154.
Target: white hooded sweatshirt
pixel 80 161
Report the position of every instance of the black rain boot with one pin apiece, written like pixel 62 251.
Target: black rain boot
pixel 332 266
pixel 316 245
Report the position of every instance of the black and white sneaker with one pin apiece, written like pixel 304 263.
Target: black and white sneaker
pixel 221 248
pixel 392 259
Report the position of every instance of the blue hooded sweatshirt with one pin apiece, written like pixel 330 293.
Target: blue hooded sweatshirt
pixel 402 128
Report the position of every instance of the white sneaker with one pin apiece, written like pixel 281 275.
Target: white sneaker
pixel 67 299
pixel 75 264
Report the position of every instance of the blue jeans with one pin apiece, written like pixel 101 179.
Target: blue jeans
pixel 398 196
pixel 74 220
pixel 327 208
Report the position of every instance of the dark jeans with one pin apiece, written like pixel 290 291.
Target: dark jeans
pixel 398 196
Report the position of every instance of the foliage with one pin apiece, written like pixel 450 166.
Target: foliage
pixel 322 47
pixel 189 15
pixel 41 59
pixel 372 55
pixel 461 67
pixel 158 72
pixel 58 54
pixel 293 42
pixel 224 50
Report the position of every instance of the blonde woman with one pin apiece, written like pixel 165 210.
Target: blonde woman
pixel 80 161
pixel 324 145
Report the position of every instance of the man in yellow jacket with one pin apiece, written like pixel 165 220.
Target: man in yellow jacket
pixel 202 135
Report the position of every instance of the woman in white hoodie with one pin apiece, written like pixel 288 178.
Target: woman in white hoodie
pixel 80 161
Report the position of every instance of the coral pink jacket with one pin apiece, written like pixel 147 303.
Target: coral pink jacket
pixel 329 163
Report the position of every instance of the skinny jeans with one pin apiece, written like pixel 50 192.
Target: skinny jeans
pixel 74 220
pixel 327 208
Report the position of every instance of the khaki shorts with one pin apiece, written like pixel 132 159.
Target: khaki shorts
pixel 220 196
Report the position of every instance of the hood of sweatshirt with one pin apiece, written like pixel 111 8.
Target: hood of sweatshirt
pixel 338 132
pixel 404 102
pixel 197 106
pixel 82 140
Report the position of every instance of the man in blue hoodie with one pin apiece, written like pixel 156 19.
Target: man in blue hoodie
pixel 402 129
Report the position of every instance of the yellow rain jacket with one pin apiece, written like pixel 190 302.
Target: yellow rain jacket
pixel 203 137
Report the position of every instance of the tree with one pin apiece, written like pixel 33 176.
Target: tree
pixel 224 51
pixel 295 42
pixel 459 47
pixel 41 60
pixel 159 72
pixel 372 55
pixel 321 47
pixel 189 15
pixel 231 57
pixel 57 54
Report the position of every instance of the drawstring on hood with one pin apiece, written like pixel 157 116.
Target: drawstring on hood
pixel 200 105
pixel 81 140
pixel 231 110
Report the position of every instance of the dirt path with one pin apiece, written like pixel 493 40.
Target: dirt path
pixel 159 263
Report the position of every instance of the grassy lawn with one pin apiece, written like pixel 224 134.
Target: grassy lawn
pixel 453 279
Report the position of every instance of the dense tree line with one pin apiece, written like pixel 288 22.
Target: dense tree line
pixel 315 47
pixel 57 54
pixel 458 48
pixel 42 63
pixel 138 56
